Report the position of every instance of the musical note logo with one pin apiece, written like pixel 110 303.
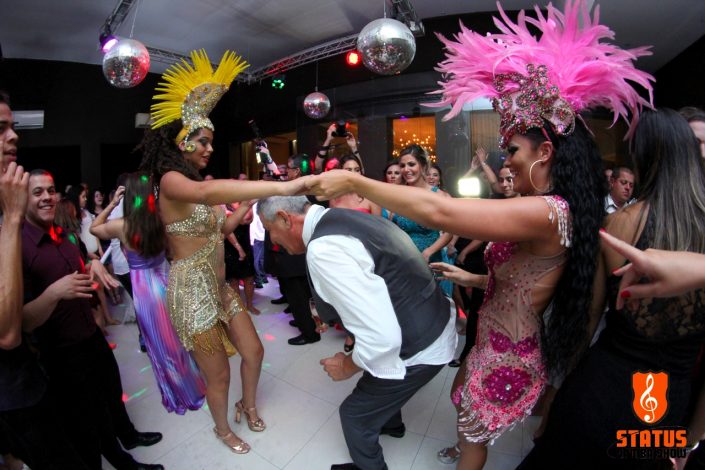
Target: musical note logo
pixel 650 402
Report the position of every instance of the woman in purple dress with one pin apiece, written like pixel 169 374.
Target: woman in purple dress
pixel 178 376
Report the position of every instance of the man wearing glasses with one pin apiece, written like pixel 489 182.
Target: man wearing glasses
pixel 621 189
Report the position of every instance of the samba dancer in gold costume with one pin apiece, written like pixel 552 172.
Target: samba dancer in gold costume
pixel 205 311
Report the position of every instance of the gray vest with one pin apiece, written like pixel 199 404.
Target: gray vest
pixel 419 304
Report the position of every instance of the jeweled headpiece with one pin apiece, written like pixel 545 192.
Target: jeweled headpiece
pixel 191 92
pixel 553 78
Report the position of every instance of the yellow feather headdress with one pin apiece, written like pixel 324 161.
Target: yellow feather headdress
pixel 191 92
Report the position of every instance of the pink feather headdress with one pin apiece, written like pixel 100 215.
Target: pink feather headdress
pixel 563 72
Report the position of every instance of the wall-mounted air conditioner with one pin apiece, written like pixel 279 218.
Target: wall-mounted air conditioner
pixel 142 120
pixel 28 119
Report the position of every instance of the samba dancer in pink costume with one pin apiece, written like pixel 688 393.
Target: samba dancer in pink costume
pixel 549 240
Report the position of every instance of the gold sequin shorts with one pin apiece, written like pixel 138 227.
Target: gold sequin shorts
pixel 199 299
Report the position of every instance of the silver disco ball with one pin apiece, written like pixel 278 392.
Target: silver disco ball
pixel 126 64
pixel 387 46
pixel 316 105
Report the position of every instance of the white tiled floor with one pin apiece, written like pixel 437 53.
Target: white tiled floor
pixel 300 406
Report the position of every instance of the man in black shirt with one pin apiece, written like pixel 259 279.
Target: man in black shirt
pixel 83 375
pixel 28 428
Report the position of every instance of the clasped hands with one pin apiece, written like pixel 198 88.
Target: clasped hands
pixel 328 185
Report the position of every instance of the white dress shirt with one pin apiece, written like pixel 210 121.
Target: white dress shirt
pixel 611 206
pixel 342 272
pixel 256 227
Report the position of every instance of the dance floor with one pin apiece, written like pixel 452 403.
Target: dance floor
pixel 299 403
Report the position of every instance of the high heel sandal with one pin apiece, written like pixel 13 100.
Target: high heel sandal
pixel 256 425
pixel 241 448
pixel 449 455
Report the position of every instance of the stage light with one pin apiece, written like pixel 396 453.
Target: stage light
pixel 278 82
pixel 107 39
pixel 469 187
pixel 353 58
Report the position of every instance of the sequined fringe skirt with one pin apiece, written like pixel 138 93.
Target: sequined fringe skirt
pixel 199 300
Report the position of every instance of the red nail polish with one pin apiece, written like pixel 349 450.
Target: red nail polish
pixel 625 294
pixel 602 230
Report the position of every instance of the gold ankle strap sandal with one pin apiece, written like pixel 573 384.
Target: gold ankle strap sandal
pixel 241 447
pixel 256 425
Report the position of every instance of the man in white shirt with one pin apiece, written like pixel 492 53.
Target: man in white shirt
pixel 367 273
pixel 621 189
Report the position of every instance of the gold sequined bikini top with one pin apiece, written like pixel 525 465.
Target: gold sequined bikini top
pixel 202 222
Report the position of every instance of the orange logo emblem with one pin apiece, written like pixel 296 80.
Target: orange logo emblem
pixel 650 403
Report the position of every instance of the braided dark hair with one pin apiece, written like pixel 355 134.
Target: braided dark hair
pixel 161 155
pixel 577 175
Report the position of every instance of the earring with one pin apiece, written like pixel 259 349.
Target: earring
pixel 531 180
pixel 190 146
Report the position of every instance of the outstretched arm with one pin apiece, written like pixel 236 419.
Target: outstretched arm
pixel 669 273
pixel 519 219
pixel 176 187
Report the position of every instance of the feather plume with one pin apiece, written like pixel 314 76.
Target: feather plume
pixel 587 70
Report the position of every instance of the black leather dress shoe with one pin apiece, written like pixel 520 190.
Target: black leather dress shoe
pixel 301 340
pixel 397 432
pixel 454 363
pixel 344 466
pixel 143 439
pixel 280 300
pixel 149 466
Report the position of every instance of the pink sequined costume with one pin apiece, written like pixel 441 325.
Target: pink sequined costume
pixel 505 374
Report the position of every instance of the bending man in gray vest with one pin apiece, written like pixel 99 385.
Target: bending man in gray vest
pixel 366 273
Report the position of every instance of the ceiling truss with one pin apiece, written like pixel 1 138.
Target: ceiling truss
pixel 402 10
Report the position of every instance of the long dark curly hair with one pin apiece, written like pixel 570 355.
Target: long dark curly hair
pixel 161 155
pixel 143 227
pixel 577 175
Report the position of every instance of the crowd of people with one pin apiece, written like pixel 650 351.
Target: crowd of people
pixel 577 288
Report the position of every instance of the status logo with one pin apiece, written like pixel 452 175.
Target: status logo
pixel 650 403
